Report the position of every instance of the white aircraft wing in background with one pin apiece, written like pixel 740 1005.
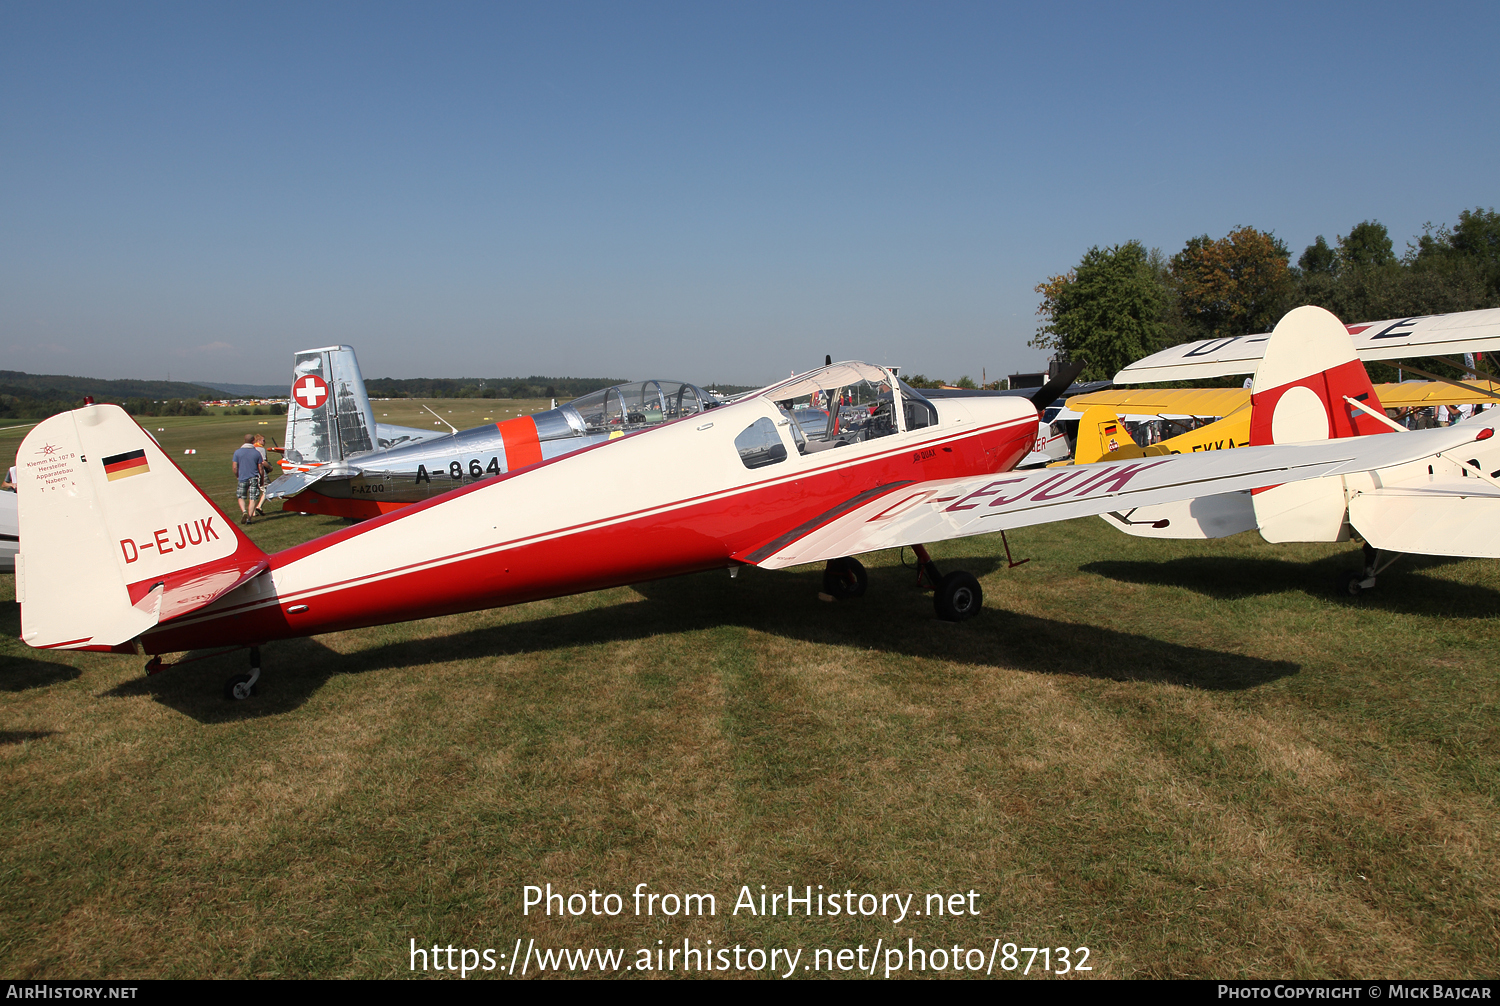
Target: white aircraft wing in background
pixel 1392 339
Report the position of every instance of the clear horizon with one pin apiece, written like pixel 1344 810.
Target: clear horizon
pixel 709 193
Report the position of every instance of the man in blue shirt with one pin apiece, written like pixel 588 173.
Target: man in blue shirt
pixel 246 465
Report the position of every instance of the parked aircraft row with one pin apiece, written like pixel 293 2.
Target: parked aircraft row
pixel 756 481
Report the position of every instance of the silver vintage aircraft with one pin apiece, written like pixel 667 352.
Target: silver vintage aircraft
pixel 339 461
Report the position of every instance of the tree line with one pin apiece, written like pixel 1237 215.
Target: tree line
pixel 1125 302
pixel 562 388
pixel 37 396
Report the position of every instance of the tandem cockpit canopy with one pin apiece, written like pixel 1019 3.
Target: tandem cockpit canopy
pixel 638 405
pixel 849 403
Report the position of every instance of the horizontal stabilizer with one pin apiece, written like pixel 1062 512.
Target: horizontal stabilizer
pixel 1454 516
pixel 293 483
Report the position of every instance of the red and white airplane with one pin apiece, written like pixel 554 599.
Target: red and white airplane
pixel 122 553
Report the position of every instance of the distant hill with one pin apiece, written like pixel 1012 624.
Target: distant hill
pixel 37 396
pixel 14 382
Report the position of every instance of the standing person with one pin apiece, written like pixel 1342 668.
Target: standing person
pixel 246 467
pixel 265 474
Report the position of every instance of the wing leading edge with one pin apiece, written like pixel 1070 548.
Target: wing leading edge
pixel 1392 339
pixel 955 508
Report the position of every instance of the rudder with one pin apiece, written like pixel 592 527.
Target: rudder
pixel 1300 394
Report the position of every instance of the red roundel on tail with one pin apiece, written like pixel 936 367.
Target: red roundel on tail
pixel 1330 387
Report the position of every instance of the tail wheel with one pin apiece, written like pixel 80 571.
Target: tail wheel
pixel 1350 583
pixel 844 579
pixel 958 597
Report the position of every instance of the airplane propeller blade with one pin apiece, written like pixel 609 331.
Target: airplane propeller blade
pixel 1054 389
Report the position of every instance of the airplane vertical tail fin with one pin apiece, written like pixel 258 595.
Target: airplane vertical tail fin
pixel 1302 391
pixel 328 417
pixel 1299 390
pixel 1102 435
pixel 114 537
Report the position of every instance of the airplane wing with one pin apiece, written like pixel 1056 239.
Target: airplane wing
pixel 912 513
pixel 1392 339
pixel 1175 403
pixel 1445 517
pixel 1424 394
pixel 1166 402
pixel 388 435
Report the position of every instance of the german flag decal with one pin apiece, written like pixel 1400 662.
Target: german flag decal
pixel 120 466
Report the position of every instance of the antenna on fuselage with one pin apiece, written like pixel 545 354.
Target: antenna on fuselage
pixel 1055 388
pixel 441 419
pixel 828 360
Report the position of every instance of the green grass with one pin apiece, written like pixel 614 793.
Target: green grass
pixel 1193 758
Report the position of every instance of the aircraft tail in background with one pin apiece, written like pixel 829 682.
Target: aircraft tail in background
pixel 1310 385
pixel 329 418
pixel 116 539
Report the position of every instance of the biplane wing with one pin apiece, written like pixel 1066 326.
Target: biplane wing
pixel 1200 403
pixel 1392 339
pixel 1164 403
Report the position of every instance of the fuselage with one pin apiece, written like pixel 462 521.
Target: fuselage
pixel 677 498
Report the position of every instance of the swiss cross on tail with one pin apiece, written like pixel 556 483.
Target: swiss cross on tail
pixel 310 392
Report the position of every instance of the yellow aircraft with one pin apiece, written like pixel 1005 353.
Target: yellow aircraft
pixel 1101 430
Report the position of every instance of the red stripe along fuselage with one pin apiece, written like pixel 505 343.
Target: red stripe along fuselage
pixel 594 519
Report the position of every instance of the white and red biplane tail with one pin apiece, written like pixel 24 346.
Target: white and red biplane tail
pixel 1310 386
pixel 116 538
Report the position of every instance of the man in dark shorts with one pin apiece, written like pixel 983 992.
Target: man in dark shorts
pixel 246 467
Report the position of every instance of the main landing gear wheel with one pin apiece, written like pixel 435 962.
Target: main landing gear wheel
pixel 242 686
pixel 845 579
pixel 239 687
pixel 1349 583
pixel 958 597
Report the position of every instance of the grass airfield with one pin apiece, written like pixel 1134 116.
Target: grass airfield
pixel 1192 758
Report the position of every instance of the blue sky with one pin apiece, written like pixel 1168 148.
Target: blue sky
pixel 705 191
